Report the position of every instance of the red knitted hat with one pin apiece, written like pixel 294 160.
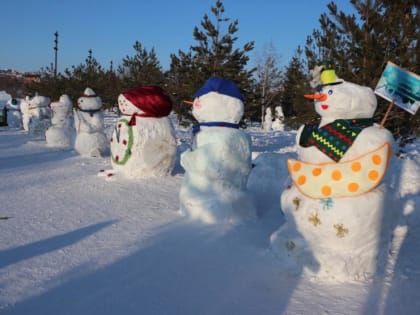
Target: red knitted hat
pixel 153 100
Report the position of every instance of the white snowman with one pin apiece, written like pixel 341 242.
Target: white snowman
pixel 143 143
pixel 268 120
pixel 339 212
pixel 39 115
pixel 278 123
pixel 91 140
pixel 219 162
pixel 61 134
pixel 24 108
pixel 14 115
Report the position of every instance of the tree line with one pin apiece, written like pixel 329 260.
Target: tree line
pixel 359 44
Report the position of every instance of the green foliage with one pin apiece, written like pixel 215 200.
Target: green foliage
pixel 296 108
pixel 141 69
pixel 213 55
pixel 362 44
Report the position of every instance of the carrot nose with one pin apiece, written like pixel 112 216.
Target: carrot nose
pixel 318 96
pixel 188 102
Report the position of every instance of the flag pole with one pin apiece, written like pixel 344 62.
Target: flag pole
pixel 387 113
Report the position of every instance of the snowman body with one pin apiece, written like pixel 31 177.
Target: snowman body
pixel 268 120
pixel 14 115
pixel 334 229
pixel 24 108
pixel 38 114
pixel 91 140
pixel 61 133
pixel 142 147
pixel 278 123
pixel 219 162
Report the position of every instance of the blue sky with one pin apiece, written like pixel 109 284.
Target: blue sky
pixel 110 28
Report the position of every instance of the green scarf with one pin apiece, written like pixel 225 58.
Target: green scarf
pixel 335 138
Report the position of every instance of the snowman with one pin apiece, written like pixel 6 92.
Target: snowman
pixel 268 120
pixel 278 123
pixel 38 115
pixel 14 115
pixel 339 212
pixel 143 143
pixel 219 162
pixel 24 108
pixel 91 140
pixel 61 134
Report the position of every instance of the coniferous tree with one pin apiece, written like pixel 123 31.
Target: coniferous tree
pixel 361 44
pixel 89 74
pixel 141 69
pixel 296 108
pixel 214 55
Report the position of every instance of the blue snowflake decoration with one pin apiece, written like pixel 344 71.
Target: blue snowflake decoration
pixel 326 203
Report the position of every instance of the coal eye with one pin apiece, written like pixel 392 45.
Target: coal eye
pixel 330 92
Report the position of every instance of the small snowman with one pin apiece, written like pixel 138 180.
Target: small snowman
pixel 24 108
pixel 339 212
pixel 61 134
pixel 278 123
pixel 14 115
pixel 268 120
pixel 91 140
pixel 39 115
pixel 219 162
pixel 143 143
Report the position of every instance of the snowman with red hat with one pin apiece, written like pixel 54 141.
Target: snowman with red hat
pixel 219 162
pixel 143 143
pixel 91 140
pixel 339 210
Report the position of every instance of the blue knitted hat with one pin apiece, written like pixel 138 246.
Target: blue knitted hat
pixel 219 85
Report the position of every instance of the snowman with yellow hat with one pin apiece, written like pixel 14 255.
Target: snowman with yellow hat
pixel 339 211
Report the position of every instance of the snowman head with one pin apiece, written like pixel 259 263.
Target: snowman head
pixel 89 100
pixel 63 105
pixel 218 100
pixel 338 99
pixel 344 101
pixel 146 101
pixel 39 101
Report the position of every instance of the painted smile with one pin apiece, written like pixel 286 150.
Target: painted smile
pixel 324 106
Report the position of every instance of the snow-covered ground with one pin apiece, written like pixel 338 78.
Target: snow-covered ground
pixel 74 243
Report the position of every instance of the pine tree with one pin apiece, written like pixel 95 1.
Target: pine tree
pixel 296 108
pixel 360 45
pixel 214 55
pixel 141 69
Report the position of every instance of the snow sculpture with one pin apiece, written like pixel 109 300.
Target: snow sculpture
pixel 339 216
pixel 38 114
pixel 61 134
pixel 24 108
pixel 278 123
pixel 268 120
pixel 219 162
pixel 143 143
pixel 14 115
pixel 4 99
pixel 91 140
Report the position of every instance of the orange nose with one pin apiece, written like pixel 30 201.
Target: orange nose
pixel 188 102
pixel 318 96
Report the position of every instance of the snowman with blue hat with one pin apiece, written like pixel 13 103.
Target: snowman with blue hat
pixel 340 209
pixel 219 162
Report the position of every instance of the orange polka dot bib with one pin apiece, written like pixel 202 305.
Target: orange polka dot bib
pixel 343 179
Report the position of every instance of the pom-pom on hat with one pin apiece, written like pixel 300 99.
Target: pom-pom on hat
pixel 152 100
pixel 221 86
